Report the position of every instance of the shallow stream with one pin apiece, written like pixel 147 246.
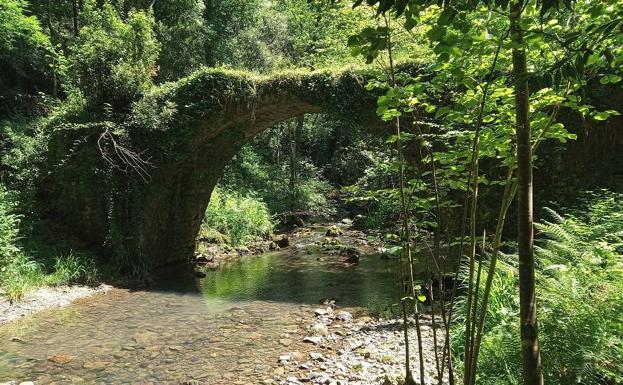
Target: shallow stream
pixel 227 328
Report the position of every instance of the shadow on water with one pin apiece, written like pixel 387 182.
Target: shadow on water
pixel 306 279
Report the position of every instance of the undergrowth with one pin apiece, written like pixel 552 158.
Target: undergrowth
pixel 235 219
pixel 580 301
pixel 24 269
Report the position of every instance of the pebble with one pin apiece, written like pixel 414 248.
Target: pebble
pixel 321 312
pixel 313 340
pixel 284 358
pixel 319 329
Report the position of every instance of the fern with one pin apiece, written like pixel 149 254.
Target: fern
pixel 580 289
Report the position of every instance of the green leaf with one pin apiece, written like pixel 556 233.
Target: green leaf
pixel 610 79
pixel 437 33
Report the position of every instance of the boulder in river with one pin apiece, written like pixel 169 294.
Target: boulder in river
pixel 282 240
pixel 333 231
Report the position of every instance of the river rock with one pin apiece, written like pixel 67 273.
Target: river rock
pixel 352 254
pixel 313 340
pixel 344 316
pixel 61 359
pixel 202 259
pixel 282 240
pixel 321 312
pixel 333 231
pixel 280 371
pixel 319 329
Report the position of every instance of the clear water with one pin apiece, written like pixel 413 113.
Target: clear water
pixel 227 328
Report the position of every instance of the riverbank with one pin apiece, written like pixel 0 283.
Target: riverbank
pixel 45 298
pixel 328 238
pixel 358 351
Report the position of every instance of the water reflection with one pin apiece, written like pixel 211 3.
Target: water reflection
pixel 305 278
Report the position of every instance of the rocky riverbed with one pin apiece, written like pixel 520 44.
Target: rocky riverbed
pixel 358 351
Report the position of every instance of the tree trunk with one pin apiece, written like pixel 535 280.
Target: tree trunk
pixel 531 355
pixel 74 8
pixel 294 128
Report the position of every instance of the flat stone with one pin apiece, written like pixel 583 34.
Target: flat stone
pixel 61 359
pixel 280 371
pixel 321 311
pixel 284 358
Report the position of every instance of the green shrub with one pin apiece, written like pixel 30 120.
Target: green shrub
pixel 580 302
pixel 18 273
pixel 22 270
pixel 238 218
pixel 9 227
pixel 258 176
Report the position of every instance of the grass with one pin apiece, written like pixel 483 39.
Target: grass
pixel 580 301
pixel 24 269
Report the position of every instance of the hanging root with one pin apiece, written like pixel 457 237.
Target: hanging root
pixel 128 160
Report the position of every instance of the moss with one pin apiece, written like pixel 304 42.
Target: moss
pixel 189 130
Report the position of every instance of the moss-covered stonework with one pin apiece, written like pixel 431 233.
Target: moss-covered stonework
pixel 189 130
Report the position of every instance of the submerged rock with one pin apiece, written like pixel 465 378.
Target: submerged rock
pixel 352 254
pixel 61 359
pixel 199 274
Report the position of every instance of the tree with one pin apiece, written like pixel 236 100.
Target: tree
pixel 532 374
pixel 182 33
pixel 28 61
pixel 113 60
pixel 461 34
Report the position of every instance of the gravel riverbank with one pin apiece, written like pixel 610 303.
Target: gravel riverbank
pixel 358 351
pixel 45 298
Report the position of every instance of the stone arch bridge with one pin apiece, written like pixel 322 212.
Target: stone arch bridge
pixel 188 131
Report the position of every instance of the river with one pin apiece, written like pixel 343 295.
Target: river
pixel 227 328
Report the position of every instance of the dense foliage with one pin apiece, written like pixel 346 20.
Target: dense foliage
pixel 235 219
